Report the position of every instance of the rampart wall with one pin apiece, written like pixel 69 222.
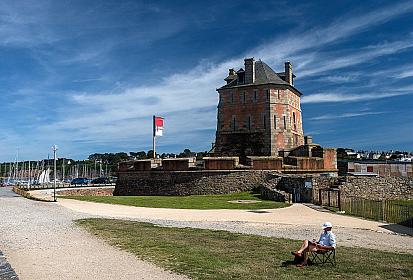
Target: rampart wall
pixel 295 188
pixel 188 182
pixel 376 188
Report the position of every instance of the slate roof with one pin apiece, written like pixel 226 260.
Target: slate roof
pixel 263 75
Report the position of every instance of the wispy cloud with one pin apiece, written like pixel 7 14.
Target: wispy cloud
pixel 344 115
pixel 122 116
pixel 351 97
pixel 339 78
pixel 405 74
pixel 305 43
pixel 126 113
pixel 329 63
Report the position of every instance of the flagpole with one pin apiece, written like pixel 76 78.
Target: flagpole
pixel 154 137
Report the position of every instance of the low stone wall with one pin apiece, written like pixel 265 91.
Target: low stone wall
pixel 187 182
pixel 88 192
pixel 378 187
pixel 274 194
pixel 303 188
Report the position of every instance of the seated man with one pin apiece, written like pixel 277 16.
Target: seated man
pixel 327 241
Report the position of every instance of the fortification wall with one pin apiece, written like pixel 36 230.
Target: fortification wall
pixel 302 188
pixel 188 182
pixel 377 188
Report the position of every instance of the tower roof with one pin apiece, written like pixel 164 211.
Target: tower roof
pixel 263 75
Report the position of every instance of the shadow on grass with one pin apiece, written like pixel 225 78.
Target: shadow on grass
pixel 258 211
pixel 288 263
pixel 258 195
pixel 398 229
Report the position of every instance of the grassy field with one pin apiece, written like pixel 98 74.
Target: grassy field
pixel 188 202
pixel 207 254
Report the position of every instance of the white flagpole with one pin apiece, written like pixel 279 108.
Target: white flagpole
pixel 154 137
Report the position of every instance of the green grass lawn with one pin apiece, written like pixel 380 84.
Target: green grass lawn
pixel 188 202
pixel 207 254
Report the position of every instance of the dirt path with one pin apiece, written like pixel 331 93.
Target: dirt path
pixel 295 222
pixel 40 241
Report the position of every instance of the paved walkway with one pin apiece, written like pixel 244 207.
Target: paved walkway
pixel 40 241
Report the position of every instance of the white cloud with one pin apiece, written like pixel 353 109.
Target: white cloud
pixel 355 58
pixel 344 115
pixel 405 74
pixel 294 44
pixel 351 97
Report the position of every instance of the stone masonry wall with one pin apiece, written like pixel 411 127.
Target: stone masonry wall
pixel 302 188
pixel 88 192
pixel 377 188
pixel 187 182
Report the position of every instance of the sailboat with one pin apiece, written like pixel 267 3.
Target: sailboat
pixel 44 177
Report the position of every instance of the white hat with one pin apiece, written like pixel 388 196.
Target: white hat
pixel 327 225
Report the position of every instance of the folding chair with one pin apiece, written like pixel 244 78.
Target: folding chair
pixel 323 256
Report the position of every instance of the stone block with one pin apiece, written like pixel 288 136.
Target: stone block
pixel 265 163
pixel 220 163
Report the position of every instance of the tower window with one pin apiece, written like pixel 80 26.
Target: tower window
pixel 295 125
pixel 243 97
pixel 267 94
pixel 249 123
pixel 234 123
pixel 264 121
pixel 278 93
pixel 255 96
pixel 275 121
pixel 285 122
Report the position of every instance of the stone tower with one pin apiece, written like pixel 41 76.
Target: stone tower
pixel 258 112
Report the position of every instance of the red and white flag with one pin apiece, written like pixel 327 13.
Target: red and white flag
pixel 157 125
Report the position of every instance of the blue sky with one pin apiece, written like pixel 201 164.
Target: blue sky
pixel 88 75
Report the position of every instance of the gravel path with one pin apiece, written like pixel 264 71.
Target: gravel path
pixel 6 271
pixel 40 241
pixel 295 222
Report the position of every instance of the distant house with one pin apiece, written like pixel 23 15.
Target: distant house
pixel 375 168
pixel 352 154
pixel 374 155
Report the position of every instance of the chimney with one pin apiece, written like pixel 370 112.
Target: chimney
pixel 288 72
pixel 231 75
pixel 249 70
pixel 308 140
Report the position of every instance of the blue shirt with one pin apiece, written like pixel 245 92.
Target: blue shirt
pixel 327 239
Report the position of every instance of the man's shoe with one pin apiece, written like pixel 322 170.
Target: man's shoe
pixel 296 254
pixel 302 265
